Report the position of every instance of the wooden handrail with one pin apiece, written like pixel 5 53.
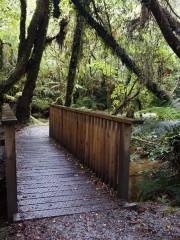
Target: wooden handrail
pixel 8 117
pixel 9 121
pixel 99 141
pixel 98 114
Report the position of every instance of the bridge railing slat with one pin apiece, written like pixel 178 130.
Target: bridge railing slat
pixel 99 141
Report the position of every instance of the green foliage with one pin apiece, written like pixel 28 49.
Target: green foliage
pixel 163 145
pixel 159 138
pixel 101 76
pixel 9 19
pixel 174 152
pixel 162 185
pixel 163 113
pixel 40 107
pixel 105 68
pixel 41 104
pixel 86 102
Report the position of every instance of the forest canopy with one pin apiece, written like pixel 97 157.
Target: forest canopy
pixel 118 56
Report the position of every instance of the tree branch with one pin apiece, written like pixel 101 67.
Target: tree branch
pixel 171 8
pixel 22 35
pixel 164 25
pixel 121 53
pixel 60 36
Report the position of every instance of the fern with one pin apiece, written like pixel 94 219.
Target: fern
pixel 163 113
pixel 161 182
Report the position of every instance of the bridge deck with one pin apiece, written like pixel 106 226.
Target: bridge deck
pixel 50 183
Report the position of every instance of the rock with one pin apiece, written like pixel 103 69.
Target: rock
pixel 131 206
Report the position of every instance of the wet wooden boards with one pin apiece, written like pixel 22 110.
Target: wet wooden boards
pixel 49 182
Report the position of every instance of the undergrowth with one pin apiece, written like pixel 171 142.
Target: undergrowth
pixel 162 185
pixel 163 113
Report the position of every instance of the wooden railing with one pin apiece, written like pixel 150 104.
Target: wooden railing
pixel 99 141
pixel 8 121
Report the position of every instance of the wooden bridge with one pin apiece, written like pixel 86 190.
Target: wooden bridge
pixel 44 180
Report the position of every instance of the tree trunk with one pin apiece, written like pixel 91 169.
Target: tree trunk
pixel 1 55
pixel 76 47
pixel 121 53
pixel 21 66
pixel 24 102
pixel 22 35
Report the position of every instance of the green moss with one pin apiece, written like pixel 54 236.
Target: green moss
pixel 40 104
pixel 40 108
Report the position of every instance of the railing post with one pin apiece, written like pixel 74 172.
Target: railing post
pixel 9 121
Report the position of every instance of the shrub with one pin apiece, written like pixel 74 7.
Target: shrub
pixel 161 184
pixel 40 107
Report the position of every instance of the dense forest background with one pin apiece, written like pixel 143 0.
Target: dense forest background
pixel 121 57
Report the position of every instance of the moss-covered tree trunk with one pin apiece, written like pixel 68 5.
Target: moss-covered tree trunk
pixel 22 30
pixel 1 54
pixel 75 55
pixel 24 102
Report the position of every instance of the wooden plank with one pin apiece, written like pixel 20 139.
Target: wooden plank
pixel 115 156
pixel 55 194
pixel 123 169
pixel 63 204
pixel 105 150
pixel 52 180
pixel 55 184
pixel 99 143
pixel 61 212
pixel 90 141
pixel 87 196
pixel 58 189
pixel 86 144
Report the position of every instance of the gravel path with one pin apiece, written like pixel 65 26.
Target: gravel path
pixel 148 221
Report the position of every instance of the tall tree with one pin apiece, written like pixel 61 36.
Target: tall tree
pixel 75 54
pixel 24 102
